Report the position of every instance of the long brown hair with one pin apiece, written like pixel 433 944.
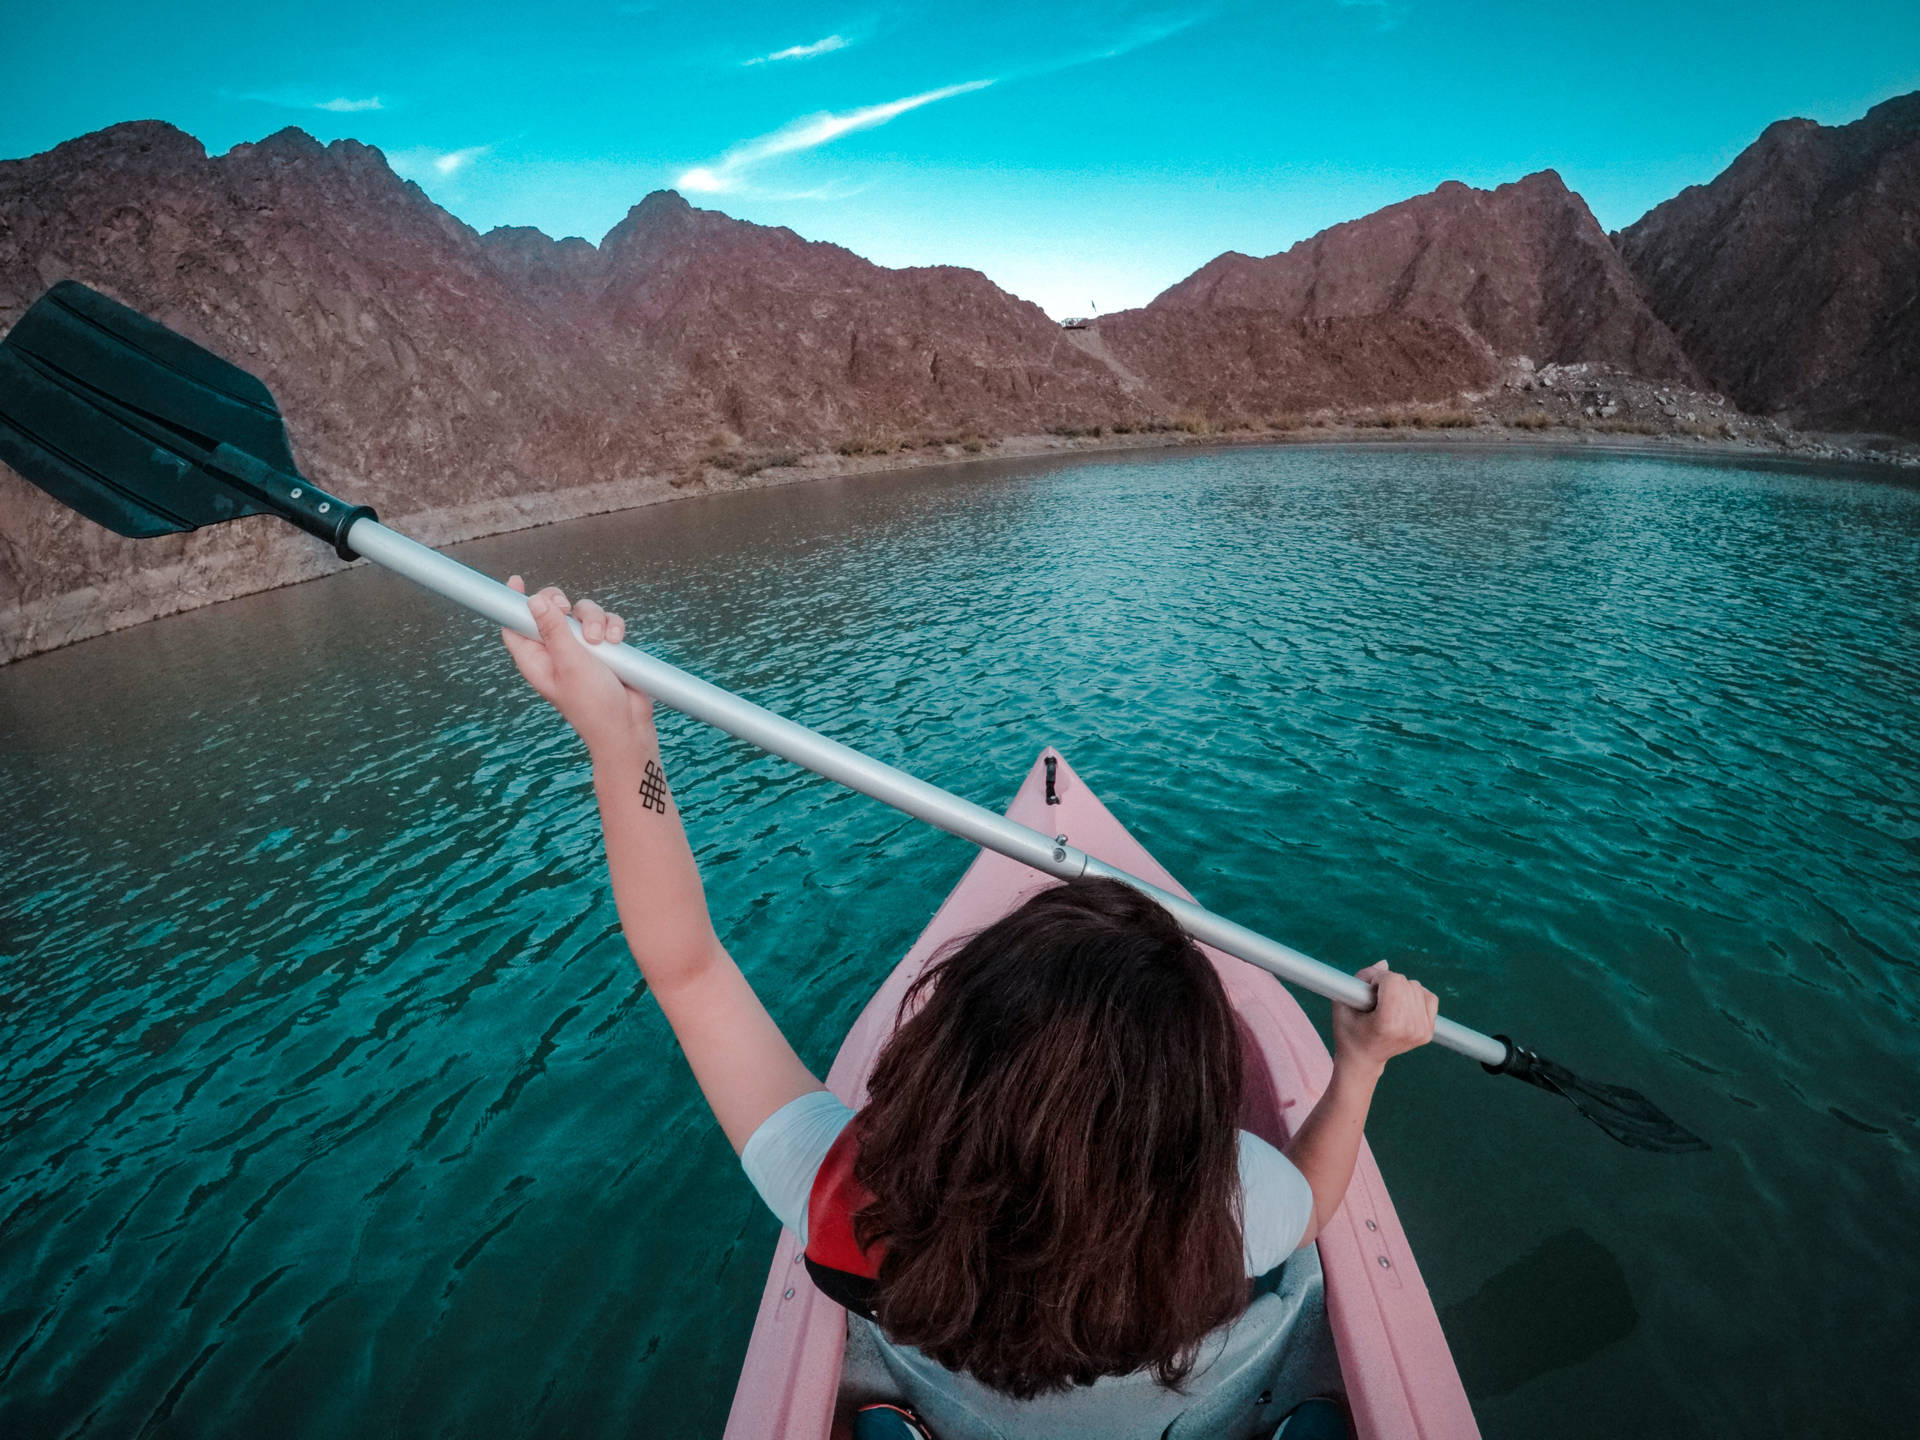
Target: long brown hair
pixel 1051 1142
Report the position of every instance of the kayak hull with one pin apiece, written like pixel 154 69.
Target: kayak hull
pixel 1400 1379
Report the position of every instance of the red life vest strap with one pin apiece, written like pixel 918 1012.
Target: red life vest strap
pixel 845 1273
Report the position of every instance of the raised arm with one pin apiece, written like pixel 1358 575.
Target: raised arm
pixel 1327 1144
pixel 743 1064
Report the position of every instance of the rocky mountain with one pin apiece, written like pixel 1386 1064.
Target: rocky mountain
pixel 1793 279
pixel 1419 300
pixel 800 343
pixel 465 384
pixel 1245 362
pixel 410 370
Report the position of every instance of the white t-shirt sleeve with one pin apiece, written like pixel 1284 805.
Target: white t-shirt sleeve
pixel 783 1155
pixel 1278 1204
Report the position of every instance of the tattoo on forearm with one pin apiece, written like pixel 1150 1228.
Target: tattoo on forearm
pixel 653 789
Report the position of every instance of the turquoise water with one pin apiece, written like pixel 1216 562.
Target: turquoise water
pixel 331 1104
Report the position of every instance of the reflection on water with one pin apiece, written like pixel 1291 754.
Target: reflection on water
pixel 330 1102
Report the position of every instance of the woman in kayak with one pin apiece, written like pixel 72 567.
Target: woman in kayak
pixel 1046 1206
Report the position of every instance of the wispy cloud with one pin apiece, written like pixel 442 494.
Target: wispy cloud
pixel 1150 31
pixel 808 133
pixel 459 159
pixel 824 46
pixel 729 173
pixel 423 161
pixel 291 99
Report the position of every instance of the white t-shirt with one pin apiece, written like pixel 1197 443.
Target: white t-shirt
pixel 782 1157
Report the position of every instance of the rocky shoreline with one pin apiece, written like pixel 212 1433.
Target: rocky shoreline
pixel 259 553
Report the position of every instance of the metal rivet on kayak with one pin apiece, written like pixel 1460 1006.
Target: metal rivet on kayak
pixel 1058 853
pixel 324 507
pixel 295 492
pixel 1266 1398
pixel 1385 1264
pixel 1372 1226
pixel 789 1292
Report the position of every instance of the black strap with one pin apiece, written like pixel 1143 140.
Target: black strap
pixel 858 1293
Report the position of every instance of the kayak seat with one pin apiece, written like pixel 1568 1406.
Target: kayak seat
pixel 1278 1354
pixel 1291 1358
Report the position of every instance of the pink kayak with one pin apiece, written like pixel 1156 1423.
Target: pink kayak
pixel 1399 1376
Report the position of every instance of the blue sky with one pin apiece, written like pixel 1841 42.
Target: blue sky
pixel 1080 154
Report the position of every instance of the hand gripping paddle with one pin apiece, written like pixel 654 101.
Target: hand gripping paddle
pixel 145 432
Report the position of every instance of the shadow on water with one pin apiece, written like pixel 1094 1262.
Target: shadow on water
pixel 1562 1302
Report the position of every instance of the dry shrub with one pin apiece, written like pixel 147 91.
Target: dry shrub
pixel 1624 427
pixel 1285 423
pixel 872 443
pixel 1532 420
pixel 766 460
pixel 1413 418
pixel 970 441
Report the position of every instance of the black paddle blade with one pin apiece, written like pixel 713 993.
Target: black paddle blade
pixel 117 416
pixel 143 431
pixel 1626 1115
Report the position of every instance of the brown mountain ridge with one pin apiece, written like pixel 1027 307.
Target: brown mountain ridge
pixel 1793 278
pixel 467 383
pixel 1418 301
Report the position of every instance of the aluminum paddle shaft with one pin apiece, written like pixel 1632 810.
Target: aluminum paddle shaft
pixel 723 710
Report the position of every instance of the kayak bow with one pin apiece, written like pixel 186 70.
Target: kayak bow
pixel 1398 1374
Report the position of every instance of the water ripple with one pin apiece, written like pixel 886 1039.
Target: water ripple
pixel 330 1100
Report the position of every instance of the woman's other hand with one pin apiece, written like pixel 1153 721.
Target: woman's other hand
pixel 1401 1019
pixel 611 718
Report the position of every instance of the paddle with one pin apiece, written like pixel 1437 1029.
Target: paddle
pixel 145 432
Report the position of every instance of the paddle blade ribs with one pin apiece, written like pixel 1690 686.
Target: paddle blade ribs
pixel 143 431
pixel 1625 1114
